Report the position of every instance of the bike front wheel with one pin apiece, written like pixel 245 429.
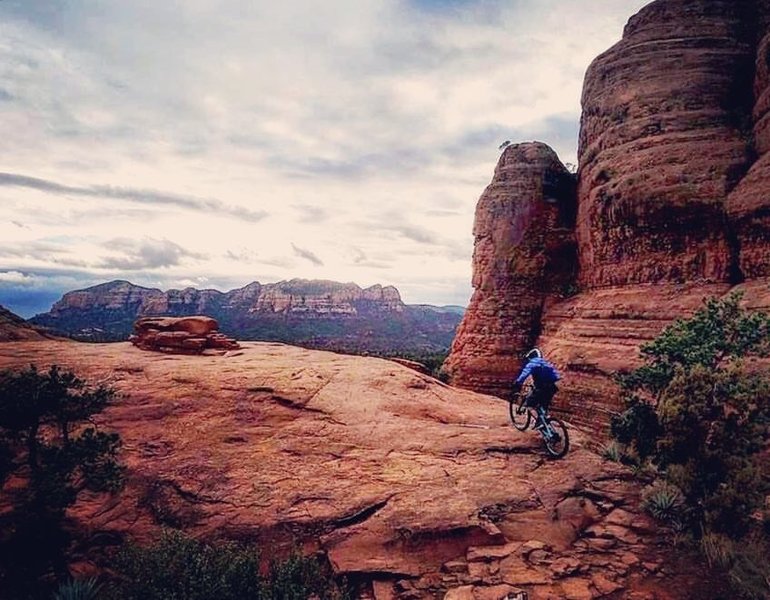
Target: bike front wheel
pixel 556 438
pixel 520 415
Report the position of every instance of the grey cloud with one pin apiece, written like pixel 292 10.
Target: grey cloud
pixel 146 254
pixel 307 255
pixel 311 214
pixel 247 256
pixel 244 255
pixel 38 249
pixel 140 196
pixel 360 259
pixel 359 255
pixel 397 224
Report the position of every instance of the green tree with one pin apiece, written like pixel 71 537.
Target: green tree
pixel 698 410
pixel 53 452
pixel 697 417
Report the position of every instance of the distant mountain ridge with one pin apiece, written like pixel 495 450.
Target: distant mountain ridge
pixel 314 313
pixel 14 328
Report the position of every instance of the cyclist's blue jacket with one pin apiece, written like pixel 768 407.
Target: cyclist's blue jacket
pixel 541 370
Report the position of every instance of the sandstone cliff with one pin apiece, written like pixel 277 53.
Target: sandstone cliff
pixel 322 314
pixel 524 252
pixel 410 487
pixel 673 198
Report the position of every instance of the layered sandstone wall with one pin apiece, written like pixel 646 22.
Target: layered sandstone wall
pixel 748 205
pixel 662 142
pixel 673 199
pixel 524 251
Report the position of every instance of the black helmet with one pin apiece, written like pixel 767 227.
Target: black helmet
pixel 534 353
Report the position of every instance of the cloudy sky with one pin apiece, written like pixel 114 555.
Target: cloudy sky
pixel 217 142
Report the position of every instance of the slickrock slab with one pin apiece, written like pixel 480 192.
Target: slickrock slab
pixel 397 478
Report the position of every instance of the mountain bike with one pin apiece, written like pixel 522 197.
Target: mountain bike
pixel 553 430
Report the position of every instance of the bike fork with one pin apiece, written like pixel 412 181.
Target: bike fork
pixel 542 424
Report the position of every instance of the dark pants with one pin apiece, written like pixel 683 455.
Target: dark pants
pixel 541 395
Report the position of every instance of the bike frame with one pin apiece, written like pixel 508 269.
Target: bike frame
pixel 542 418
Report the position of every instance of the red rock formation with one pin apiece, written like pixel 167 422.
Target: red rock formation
pixel 409 486
pixel 317 313
pixel 120 296
pixel 597 334
pixel 183 335
pixel 524 251
pixel 661 144
pixel 14 328
pixel 749 204
pixel 666 217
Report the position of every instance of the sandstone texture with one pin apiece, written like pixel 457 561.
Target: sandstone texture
pixel 315 313
pixel 524 252
pixel 14 328
pixel 180 335
pixel 413 489
pixel 662 144
pixel 748 206
pixel 673 201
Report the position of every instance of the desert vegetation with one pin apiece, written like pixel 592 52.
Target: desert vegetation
pixel 50 452
pixel 695 430
pixel 178 566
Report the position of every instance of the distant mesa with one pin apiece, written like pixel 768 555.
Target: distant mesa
pixel 186 335
pixel 312 313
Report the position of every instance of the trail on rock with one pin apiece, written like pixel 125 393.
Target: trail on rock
pixel 405 483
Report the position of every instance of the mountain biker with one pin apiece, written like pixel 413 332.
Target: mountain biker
pixel 544 375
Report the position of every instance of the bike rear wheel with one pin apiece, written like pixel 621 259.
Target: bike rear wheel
pixel 520 415
pixel 556 438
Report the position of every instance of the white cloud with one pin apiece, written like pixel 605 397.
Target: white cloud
pixel 16 277
pixel 235 129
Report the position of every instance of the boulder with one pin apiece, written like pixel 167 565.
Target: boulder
pixel 180 335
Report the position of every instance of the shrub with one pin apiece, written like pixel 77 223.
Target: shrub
pixel 78 589
pixel 698 417
pixel 750 571
pixel 612 452
pixel 696 413
pixel 50 446
pixel 746 564
pixel 664 502
pixel 177 566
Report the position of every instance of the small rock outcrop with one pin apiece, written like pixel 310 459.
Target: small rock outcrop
pixel 182 335
pixel 524 252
